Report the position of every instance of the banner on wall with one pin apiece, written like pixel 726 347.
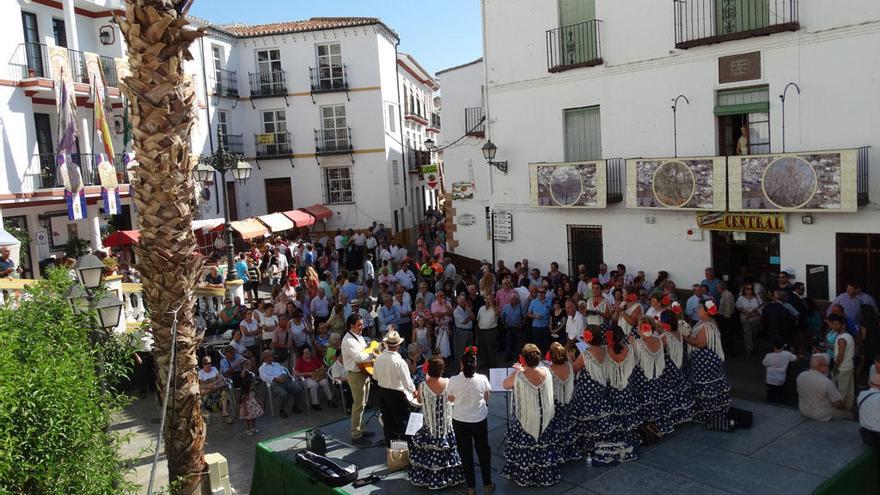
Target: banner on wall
pixel 821 181
pixel 462 190
pixel 697 183
pixel 568 184
pixel 742 222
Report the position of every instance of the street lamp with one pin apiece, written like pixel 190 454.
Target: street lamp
pixel 89 271
pixel 223 162
pixel 429 143
pixel 489 151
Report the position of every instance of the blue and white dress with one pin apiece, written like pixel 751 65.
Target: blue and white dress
pixel 532 457
pixel 433 456
pixel 679 400
pixel 647 381
pixel 591 406
pixel 563 427
pixel 709 385
pixel 622 443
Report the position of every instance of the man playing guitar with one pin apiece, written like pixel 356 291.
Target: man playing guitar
pixel 396 388
pixel 354 354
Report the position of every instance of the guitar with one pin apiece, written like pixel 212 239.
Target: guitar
pixel 367 366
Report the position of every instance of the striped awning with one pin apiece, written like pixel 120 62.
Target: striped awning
pixel 277 222
pixel 248 229
pixel 300 218
pixel 319 211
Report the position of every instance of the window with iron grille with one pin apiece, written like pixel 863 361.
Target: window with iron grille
pixel 583 135
pixel 338 185
pixel 335 126
pixel 217 56
pixel 395 172
pixel 584 248
pixel 330 72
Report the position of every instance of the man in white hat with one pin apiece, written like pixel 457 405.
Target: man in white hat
pixel 395 387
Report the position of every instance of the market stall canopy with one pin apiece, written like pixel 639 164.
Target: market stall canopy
pixel 14 245
pixel 122 238
pixel 207 223
pixel 248 229
pixel 276 222
pixel 300 218
pixel 319 211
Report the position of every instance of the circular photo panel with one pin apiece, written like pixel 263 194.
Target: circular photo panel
pixel 789 182
pixel 674 184
pixel 566 185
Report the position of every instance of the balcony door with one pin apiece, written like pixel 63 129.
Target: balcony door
pixel 59 31
pixel 330 66
pixel 738 16
pixel 33 50
pixel 583 134
pixel 269 67
pixel 578 37
pixel 279 195
pixel 233 201
pixel 275 123
pixel 335 126
pixel 46 150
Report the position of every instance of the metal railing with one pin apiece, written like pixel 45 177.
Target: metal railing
pixel 862 176
pixel 615 170
pixel 226 83
pixel 32 60
pixel 265 84
pixel 577 45
pixel 108 68
pixel 328 78
pixel 234 143
pixel 78 68
pixel 50 175
pixel 435 120
pixel 416 159
pixel 703 22
pixel 474 123
pixel 271 144
pixel 410 111
pixel 332 141
pixel 121 172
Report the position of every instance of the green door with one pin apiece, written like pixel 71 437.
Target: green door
pixel 738 16
pixel 578 39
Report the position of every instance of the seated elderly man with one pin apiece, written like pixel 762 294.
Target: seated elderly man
pixel 212 386
pixel 231 365
pixel 818 398
pixel 281 384
pixel 868 404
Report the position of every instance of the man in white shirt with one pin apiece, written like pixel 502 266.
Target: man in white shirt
pixel 320 306
pixel 369 271
pixel 354 352
pixel 844 347
pixel 283 386
pixel 394 249
pixel 818 398
pixel 385 255
pixel 359 239
pixel 337 240
pixel 869 413
pixel 396 388
pixel 776 362
pixel 405 277
pixel 575 322
pixel 449 271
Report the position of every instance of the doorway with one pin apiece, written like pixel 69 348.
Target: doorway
pixel 279 195
pixel 584 248
pixel 757 256
pixel 858 259
pixel 233 201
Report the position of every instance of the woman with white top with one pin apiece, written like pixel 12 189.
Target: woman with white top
pixel 563 427
pixel 433 456
pixel 268 322
pixel 598 311
pixel 469 393
pixel 531 454
pixel 709 385
pixel 622 443
pixel 749 305
pixel 648 374
pixel 629 310
pixel 591 405
pixel 679 401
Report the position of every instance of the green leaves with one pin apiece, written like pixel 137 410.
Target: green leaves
pixel 54 412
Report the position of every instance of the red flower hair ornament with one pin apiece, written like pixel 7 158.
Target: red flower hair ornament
pixel 676 308
pixel 666 300
pixel 588 336
pixel 522 360
pixel 547 357
pixel 609 338
pixel 646 329
pixel 425 368
pixel 711 308
pixel 632 297
pixel 471 349
pixel 666 326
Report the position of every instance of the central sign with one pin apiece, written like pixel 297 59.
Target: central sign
pixel 742 222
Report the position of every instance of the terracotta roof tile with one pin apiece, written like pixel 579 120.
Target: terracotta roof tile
pixel 313 24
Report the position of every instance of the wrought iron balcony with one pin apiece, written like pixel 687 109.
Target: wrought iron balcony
pixel 266 84
pixel 226 83
pixel 78 68
pixel 577 45
pixel 416 159
pixel 862 176
pixel 703 22
pixel 329 78
pixel 50 174
pixel 234 143
pixel 108 67
pixel 272 144
pixel 31 60
pixel 615 168
pixel 333 141
pixel 435 121
pixel 474 122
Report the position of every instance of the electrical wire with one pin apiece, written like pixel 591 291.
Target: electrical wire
pixel 440 148
pixel 165 399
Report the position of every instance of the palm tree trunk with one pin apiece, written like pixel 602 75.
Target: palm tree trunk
pixel 162 115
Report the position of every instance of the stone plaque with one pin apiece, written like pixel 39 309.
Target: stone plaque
pixel 741 67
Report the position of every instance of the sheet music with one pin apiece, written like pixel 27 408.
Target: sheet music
pixel 582 346
pixel 496 378
pixel 415 423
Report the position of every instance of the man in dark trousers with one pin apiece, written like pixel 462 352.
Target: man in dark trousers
pixel 396 388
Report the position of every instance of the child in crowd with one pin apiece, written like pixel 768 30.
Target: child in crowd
pixel 250 409
pixel 776 362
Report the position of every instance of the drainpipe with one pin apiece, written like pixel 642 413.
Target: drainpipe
pixel 486 94
pixel 400 130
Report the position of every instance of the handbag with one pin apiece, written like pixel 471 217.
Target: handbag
pixel 326 470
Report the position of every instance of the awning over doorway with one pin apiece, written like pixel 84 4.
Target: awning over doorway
pixel 248 229
pixel 122 238
pixel 276 222
pixel 300 218
pixel 319 211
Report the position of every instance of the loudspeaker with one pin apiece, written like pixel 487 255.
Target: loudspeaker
pixel 316 442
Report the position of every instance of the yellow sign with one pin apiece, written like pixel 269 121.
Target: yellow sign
pixel 742 222
pixel 266 138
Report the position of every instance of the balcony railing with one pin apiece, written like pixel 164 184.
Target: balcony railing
pixel 50 175
pixel 78 66
pixel 413 114
pixel 615 168
pixel 862 176
pixel 234 143
pixel 577 45
pixel 32 60
pixel 329 78
pixel 272 144
pixel 108 67
pixel 703 22
pixel 265 84
pixel 226 83
pixel 333 141
pixel 474 122
pixel 435 121
pixel 416 159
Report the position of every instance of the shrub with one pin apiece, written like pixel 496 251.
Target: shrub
pixel 56 405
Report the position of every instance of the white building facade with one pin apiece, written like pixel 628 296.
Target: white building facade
pixel 584 80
